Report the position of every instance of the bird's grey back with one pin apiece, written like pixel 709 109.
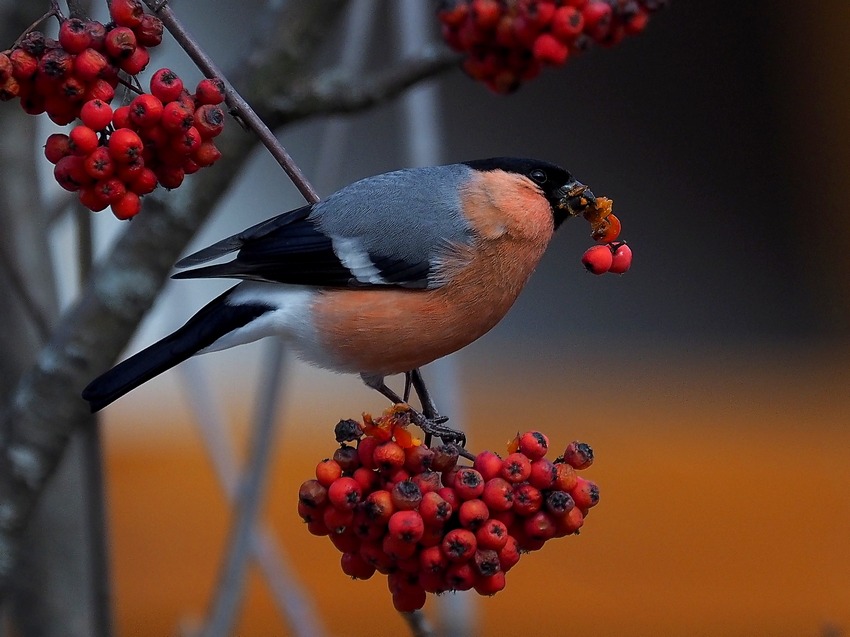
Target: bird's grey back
pixel 413 214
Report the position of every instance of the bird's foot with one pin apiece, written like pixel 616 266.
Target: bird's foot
pixel 435 426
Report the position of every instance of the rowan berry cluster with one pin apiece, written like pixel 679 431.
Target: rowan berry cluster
pixel 613 256
pixel 508 42
pixel 413 513
pixel 113 157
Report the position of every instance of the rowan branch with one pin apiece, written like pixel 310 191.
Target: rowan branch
pixel 338 91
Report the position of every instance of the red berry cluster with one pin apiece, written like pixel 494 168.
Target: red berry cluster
pixel 113 157
pixel 507 42
pixel 431 525
pixel 613 256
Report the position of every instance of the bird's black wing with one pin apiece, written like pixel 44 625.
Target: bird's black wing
pixel 290 248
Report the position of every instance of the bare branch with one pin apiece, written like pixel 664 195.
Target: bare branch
pixel 338 91
pixel 234 99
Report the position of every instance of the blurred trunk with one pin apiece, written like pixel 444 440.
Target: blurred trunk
pixel 54 591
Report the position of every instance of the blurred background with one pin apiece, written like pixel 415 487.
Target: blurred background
pixel 711 380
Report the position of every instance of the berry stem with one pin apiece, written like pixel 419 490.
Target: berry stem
pixel 55 10
pixel 233 99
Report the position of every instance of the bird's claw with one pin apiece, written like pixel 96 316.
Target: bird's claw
pixel 435 427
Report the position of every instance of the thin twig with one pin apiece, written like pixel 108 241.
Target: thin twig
pixel 418 624
pixel 228 595
pixel 234 99
pixel 287 592
pixel 54 11
pixel 336 91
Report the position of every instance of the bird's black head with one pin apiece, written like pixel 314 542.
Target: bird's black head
pixel 565 195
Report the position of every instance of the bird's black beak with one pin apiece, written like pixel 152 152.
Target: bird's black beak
pixel 573 198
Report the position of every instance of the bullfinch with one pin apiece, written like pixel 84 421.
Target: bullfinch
pixel 382 277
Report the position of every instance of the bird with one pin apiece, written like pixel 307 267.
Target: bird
pixel 380 278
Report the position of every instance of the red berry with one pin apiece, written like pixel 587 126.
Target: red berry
pixel 97 34
pixel 598 259
pixel 559 503
pixel 490 585
pixel 367 478
pixel 166 85
pixel 58 145
pixel 209 91
pixel 509 554
pixel 567 23
pixel 98 164
pixel 379 507
pixel 69 173
pixel 170 177
pixel 597 19
pixel 485 14
pixel 111 189
pixel 327 472
pixel 460 577
pixel 406 526
pixel 91 199
pixel 543 474
pixel 176 117
pixel 5 68
pixel 566 478
pixel 149 31
pixel 550 50
pixel 337 520
pixel 606 230
pixel 83 140
pixel 96 114
pixel 365 447
pixel 585 493
pixel 145 110
pixel 444 458
pixel 136 62
pixel 472 514
pixel 187 142
pixel 206 154
pixel 468 483
pixel 127 207
pixel 126 13
pixel 498 494
pixel 410 599
pixel 345 493
pixel 533 444
pixel 516 468
pixel 427 481
pixel 99 90
pixel 120 43
pixel 493 534
pixel 486 562
pixel 406 495
pixel 312 494
pixel 527 499
pixel 459 545
pixel 569 523
pixel 540 527
pixel 432 560
pixel 24 64
pixel 434 510
pixel 355 566
pixel 346 457
pixel 578 455
pixel 388 456
pixel 621 260
pixel 488 464
pixel 74 37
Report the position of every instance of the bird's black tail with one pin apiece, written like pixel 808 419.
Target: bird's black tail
pixel 212 322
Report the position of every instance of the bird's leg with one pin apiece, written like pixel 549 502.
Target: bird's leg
pixel 429 410
pixel 407 385
pixel 431 422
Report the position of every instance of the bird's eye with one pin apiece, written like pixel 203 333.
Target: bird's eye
pixel 538 175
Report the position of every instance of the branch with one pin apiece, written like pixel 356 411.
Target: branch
pixel 338 91
pixel 46 407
